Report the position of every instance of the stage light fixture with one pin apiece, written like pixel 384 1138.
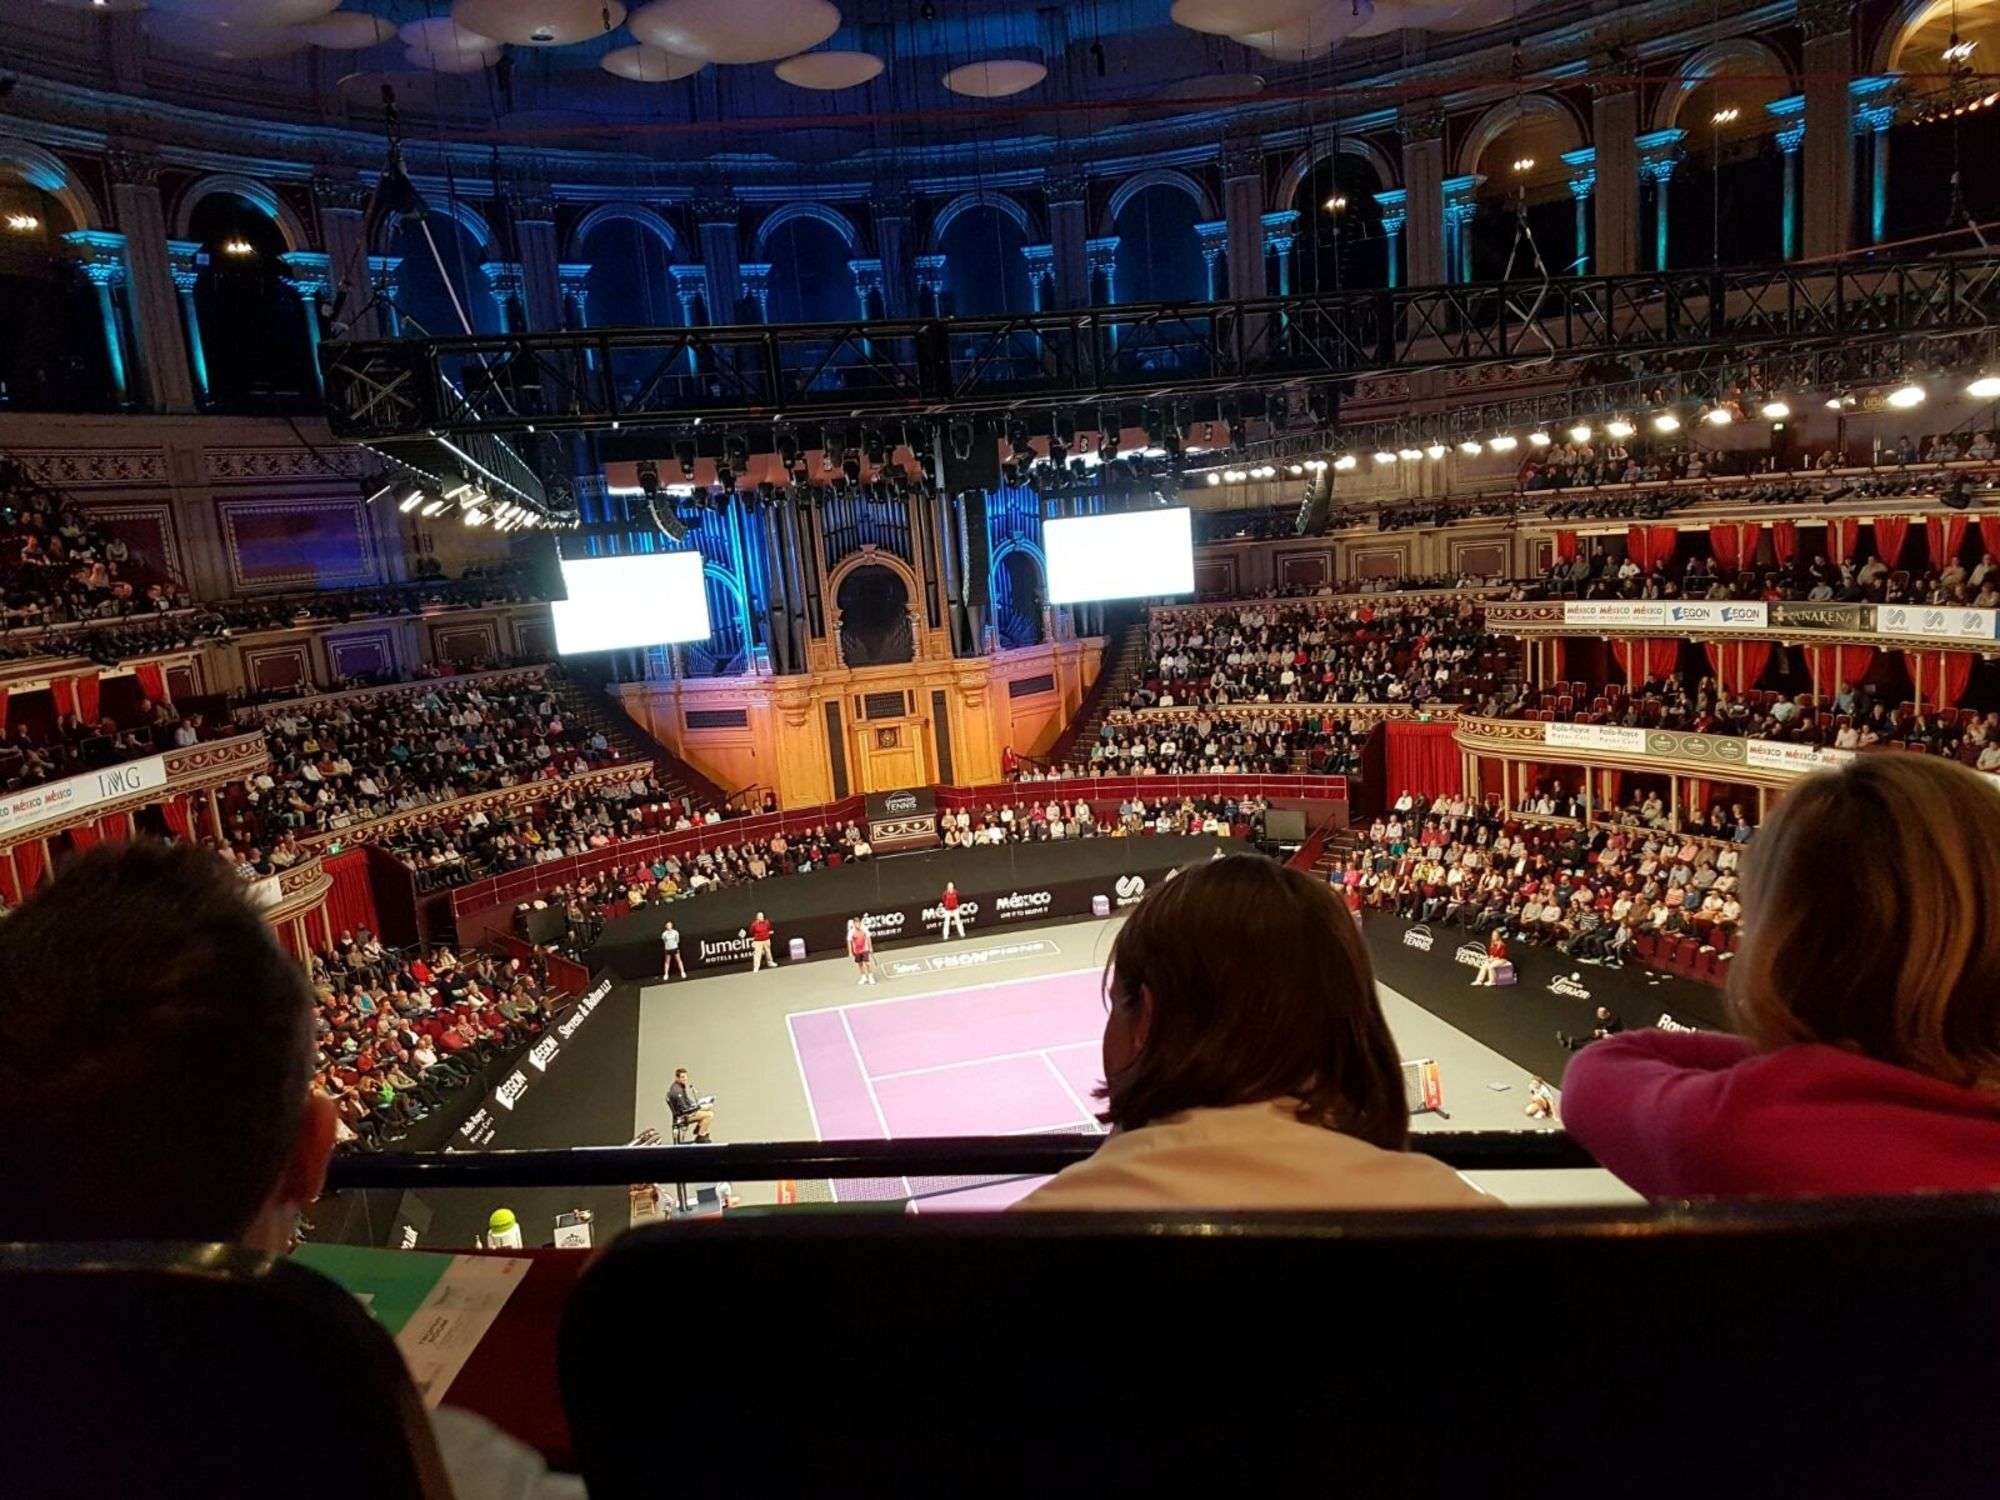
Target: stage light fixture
pixel 1984 387
pixel 1775 410
pixel 1346 463
pixel 1718 416
pixel 684 454
pixel 1580 433
pixel 1506 442
pixel 1384 456
pixel 1470 448
pixel 411 501
pixel 1213 477
pixel 1907 395
pixel 1436 451
pixel 1538 439
pixel 1409 455
pixel 1618 427
pixel 1666 421
pixel 431 508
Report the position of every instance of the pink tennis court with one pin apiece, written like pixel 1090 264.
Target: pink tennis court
pixel 1017 1057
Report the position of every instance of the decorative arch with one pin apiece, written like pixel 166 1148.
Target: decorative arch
pixel 1132 186
pixel 1737 54
pixel 1498 120
pixel 648 219
pixel 47 172
pixel 1020 544
pixel 1905 18
pixel 980 198
pixel 1302 167
pixel 871 556
pixel 260 196
pixel 835 220
pixel 468 218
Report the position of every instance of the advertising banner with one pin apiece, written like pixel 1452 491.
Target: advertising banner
pixel 37 805
pixel 1949 622
pixel 903 819
pixel 1821 615
pixel 1615 612
pixel 1613 737
pixel 1772 755
pixel 1718 614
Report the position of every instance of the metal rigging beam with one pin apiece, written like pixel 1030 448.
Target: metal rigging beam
pixel 594 378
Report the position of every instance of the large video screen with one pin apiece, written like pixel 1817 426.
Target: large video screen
pixel 1136 554
pixel 614 603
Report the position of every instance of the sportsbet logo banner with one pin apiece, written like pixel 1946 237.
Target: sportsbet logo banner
pixel 1938 620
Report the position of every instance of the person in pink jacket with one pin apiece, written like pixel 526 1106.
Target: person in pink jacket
pixel 1866 989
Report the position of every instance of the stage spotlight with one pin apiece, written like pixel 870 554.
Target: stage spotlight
pixel 1618 427
pixel 1506 442
pixel 1580 433
pixel 1346 462
pixel 1538 439
pixel 1213 477
pixel 1437 450
pixel 1985 387
pixel 1470 448
pixel 1903 397
pixel 1666 421
pixel 431 508
pixel 1775 410
pixel 411 501
pixel 1409 455
pixel 684 454
pixel 1718 416
pixel 1385 457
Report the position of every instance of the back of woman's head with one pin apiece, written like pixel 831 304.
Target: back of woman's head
pixel 1871 917
pixel 1257 987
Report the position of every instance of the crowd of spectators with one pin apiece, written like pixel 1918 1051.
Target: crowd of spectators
pixel 356 759
pixel 1417 651
pixel 395 1034
pixel 1854 717
pixel 1217 742
pixel 590 902
pixel 1569 465
pixel 57 565
pixel 31 755
pixel 1589 890
pixel 1869 581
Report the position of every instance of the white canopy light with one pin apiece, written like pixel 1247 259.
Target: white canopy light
pixel 539 23
pixel 347 31
pixel 735 31
pixel 1903 397
pixel 828 71
pixel 996 78
pixel 649 64
pixel 1239 17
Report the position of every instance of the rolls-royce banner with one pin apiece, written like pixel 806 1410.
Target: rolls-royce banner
pixel 1950 622
pixel 1596 737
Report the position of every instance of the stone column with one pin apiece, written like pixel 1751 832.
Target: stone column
pixel 343 219
pixel 1790 113
pixel 151 297
pixel 1041 261
pixel 1615 124
pixel 1582 183
pixel 504 279
pixel 1423 181
pixel 868 277
pixel 182 255
pixel 1659 153
pixel 574 277
pixel 534 211
pixel 716 220
pixel 1215 239
pixel 310 278
pixel 1068 193
pixel 1829 144
pixel 929 271
pixel 1460 204
pixel 1102 257
pixel 1242 163
pixel 1874 113
pixel 1395 214
pixel 1281 235
pixel 691 289
pixel 892 208
pixel 101 254
pixel 383 274
pixel 757 286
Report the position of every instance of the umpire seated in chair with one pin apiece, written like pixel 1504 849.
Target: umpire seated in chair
pixel 690 1112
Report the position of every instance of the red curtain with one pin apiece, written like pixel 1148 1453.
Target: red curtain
pixel 1784 541
pixel 1941 677
pixel 1651 546
pixel 1833 665
pixel 1726 542
pixel 3 709
pixel 1422 758
pixel 1840 539
pixel 1566 546
pixel 116 829
pixel 62 693
pixel 1644 658
pixel 179 818
pixel 86 697
pixel 1738 664
pixel 29 862
pixel 1945 535
pixel 1613 783
pixel 1630 655
pixel 1889 534
pixel 1989 534
pixel 83 836
pixel 351 902
pixel 152 680
pixel 10 888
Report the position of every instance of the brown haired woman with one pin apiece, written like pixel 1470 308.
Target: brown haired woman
pixel 1866 984
pixel 1246 1060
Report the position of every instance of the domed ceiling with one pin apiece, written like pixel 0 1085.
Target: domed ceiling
pixel 691 79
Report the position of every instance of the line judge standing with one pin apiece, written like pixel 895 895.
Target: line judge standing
pixel 952 915
pixel 760 944
pixel 670 949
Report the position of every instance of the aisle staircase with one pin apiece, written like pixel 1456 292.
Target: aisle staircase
pixel 1124 660
pixel 593 705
